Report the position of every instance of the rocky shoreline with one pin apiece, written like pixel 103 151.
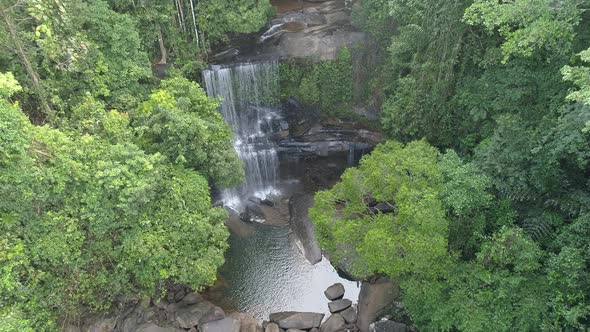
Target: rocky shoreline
pixel 183 310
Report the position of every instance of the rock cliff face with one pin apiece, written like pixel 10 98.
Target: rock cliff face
pixel 317 31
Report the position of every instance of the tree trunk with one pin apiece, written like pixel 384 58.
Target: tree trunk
pixel 24 59
pixel 163 50
pixel 194 22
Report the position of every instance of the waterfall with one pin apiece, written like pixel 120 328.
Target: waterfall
pixel 249 95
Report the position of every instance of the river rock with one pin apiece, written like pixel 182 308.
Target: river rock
pixel 373 299
pixel 334 323
pixel 253 213
pixel 302 226
pixel 268 202
pixel 151 327
pixel 349 315
pixel 388 326
pixel 335 292
pixel 227 324
pixel 339 305
pixel 103 324
pixel 200 313
pixel 272 327
pixel 191 298
pixel 247 322
pixel 255 200
pixel 297 320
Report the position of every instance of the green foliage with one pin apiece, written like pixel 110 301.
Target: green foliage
pixel 580 76
pixel 75 48
pixel 413 240
pixel 500 289
pixel 422 56
pixel 8 85
pixel 466 200
pixel 13 321
pixel 183 123
pixel 528 25
pixel 92 221
pixel 327 85
pixel 220 17
pixel 500 82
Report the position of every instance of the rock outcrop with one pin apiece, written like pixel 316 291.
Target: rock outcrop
pixel 297 320
pixel 388 326
pixel 302 226
pixel 313 135
pixel 334 292
pixel 334 323
pixel 373 299
pixel 339 305
pixel 227 324
pixel 317 32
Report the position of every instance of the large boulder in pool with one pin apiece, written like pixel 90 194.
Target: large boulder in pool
pixel 302 226
pixel 339 305
pixel 297 320
pixel 334 292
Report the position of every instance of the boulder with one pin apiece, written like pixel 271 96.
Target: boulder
pixel 255 200
pixel 297 320
pixel 247 322
pixel 334 292
pixel 103 324
pixel 179 295
pixel 373 299
pixel 272 327
pixel 151 327
pixel 72 328
pixel 199 313
pixel 339 305
pixel 349 315
pixel 315 329
pixel 227 324
pixel 267 201
pixel 253 213
pixel 388 326
pixel 302 226
pixel 295 330
pixel 226 55
pixel 334 323
pixel 191 298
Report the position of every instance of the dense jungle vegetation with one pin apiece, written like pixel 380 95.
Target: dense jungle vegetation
pixel 487 105
pixel 105 171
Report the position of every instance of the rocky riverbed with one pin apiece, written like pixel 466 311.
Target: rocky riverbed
pixel 183 310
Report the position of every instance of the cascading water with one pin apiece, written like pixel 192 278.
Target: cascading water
pixel 249 94
pixel 264 271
